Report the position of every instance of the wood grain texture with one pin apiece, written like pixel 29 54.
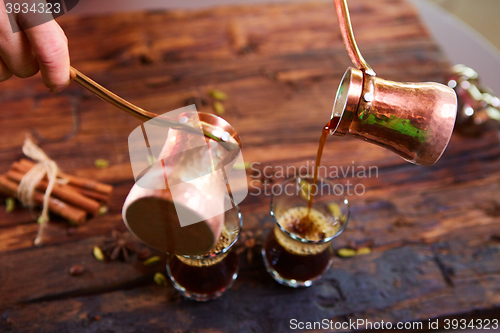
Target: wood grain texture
pixel 434 232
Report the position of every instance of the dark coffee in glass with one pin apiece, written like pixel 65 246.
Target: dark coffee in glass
pixel 207 276
pixel 298 249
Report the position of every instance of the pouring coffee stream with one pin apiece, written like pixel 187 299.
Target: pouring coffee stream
pixel 328 129
pixel 302 223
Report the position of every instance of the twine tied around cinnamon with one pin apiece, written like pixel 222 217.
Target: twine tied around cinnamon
pixel 44 167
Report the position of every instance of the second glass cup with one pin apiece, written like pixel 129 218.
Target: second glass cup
pixel 206 277
pixel 298 249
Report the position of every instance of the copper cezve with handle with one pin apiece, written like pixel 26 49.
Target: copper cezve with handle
pixel 149 212
pixel 414 120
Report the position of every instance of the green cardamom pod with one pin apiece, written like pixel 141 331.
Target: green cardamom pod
pixel 346 253
pixel 217 94
pixel 219 108
pixel 160 279
pixel 98 254
pixel 151 261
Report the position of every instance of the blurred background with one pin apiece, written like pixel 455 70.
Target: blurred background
pixel 467 30
pixel 480 15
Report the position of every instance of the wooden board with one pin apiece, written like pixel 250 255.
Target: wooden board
pixel 434 232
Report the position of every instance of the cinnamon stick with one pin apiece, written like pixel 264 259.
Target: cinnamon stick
pixel 72 214
pixel 62 192
pixel 102 198
pixel 85 183
pixel 88 184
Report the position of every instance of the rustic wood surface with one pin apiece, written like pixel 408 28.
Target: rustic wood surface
pixel 434 232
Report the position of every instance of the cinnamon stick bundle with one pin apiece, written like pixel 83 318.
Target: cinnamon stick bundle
pixel 61 192
pixel 72 214
pixel 73 201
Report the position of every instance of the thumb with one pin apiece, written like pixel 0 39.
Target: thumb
pixel 50 46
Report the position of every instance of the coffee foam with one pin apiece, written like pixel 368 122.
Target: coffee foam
pixel 225 239
pixel 318 228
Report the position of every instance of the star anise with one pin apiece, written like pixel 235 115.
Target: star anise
pixel 248 242
pixel 118 246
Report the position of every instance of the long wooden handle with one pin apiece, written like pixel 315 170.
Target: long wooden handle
pixel 128 107
pixel 109 96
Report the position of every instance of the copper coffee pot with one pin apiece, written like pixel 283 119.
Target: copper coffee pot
pixel 178 202
pixel 414 120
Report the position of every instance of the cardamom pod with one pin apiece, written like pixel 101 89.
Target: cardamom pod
pixel 160 279
pixel 363 250
pixel 334 209
pixel 218 107
pixel 346 253
pixel 217 94
pixel 41 219
pixel 101 163
pixel 10 205
pixel 151 261
pixel 98 254
pixel 305 189
pixel 103 210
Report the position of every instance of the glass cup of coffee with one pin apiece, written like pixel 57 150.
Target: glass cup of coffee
pixel 206 277
pixel 307 218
